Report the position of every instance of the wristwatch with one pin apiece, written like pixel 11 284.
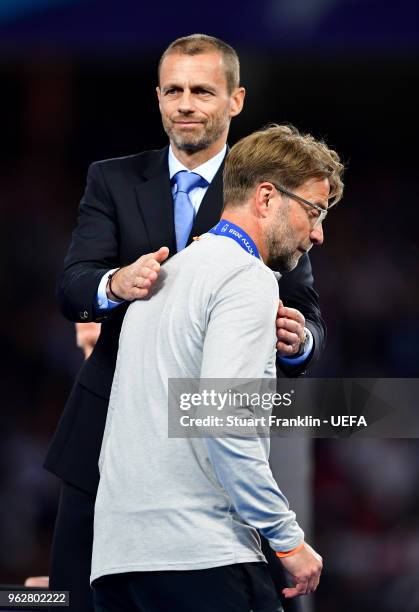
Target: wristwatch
pixel 303 344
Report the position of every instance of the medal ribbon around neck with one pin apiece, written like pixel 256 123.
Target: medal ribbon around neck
pixel 230 230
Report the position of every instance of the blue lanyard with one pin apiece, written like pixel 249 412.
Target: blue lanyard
pixel 226 228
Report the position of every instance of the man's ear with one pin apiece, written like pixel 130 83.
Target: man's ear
pixel 237 101
pixel 262 199
pixel 158 92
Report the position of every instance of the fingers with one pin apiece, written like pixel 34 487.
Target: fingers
pixel 145 278
pixel 138 294
pixel 289 337
pixel 289 330
pixel 291 313
pixel 142 283
pixel 290 325
pixel 313 583
pixel 301 588
pixel 287 350
pixel 146 269
pixel 134 282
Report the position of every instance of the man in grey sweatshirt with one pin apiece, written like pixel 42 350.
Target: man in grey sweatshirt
pixel 177 519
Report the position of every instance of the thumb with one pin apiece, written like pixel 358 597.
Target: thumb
pixel 161 255
pixel 300 588
pixel 289 592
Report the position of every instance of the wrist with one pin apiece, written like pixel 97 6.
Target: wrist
pixel 110 292
pixel 290 553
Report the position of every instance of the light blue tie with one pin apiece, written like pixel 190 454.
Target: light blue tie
pixel 184 210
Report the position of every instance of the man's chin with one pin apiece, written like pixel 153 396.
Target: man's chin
pixel 191 146
pixel 189 142
pixel 284 264
pixel 288 266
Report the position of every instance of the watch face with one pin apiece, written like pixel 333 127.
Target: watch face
pixel 303 345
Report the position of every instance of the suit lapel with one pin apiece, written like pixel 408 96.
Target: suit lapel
pixel 210 210
pixel 155 202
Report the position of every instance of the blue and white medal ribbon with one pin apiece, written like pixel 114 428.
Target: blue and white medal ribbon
pixel 230 230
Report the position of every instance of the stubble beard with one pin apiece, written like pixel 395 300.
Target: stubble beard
pixel 282 254
pixel 191 142
pixel 283 262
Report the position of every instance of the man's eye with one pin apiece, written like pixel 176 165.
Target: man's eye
pixel 172 91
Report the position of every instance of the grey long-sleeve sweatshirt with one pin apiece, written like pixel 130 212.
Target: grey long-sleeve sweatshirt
pixel 190 503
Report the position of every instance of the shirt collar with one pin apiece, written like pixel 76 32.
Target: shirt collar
pixel 207 170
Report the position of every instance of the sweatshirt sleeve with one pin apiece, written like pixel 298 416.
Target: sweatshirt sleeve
pixel 239 343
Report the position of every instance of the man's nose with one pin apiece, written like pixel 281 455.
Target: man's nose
pixel 316 235
pixel 186 102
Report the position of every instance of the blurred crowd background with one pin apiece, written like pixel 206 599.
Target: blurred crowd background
pixel 77 84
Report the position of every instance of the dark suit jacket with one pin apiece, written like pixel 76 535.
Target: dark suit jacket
pixel 127 211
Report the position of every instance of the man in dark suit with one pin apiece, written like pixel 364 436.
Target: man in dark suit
pixel 131 217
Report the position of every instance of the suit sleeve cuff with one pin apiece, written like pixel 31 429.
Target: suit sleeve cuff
pixel 298 359
pixel 102 301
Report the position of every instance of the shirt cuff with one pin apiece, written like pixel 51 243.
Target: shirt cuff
pixel 102 301
pixel 304 356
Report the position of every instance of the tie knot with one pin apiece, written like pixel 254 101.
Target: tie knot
pixel 186 181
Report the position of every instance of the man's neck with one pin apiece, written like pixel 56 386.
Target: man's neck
pixel 197 158
pixel 248 225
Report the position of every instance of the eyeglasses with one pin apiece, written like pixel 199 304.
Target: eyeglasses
pixel 314 221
